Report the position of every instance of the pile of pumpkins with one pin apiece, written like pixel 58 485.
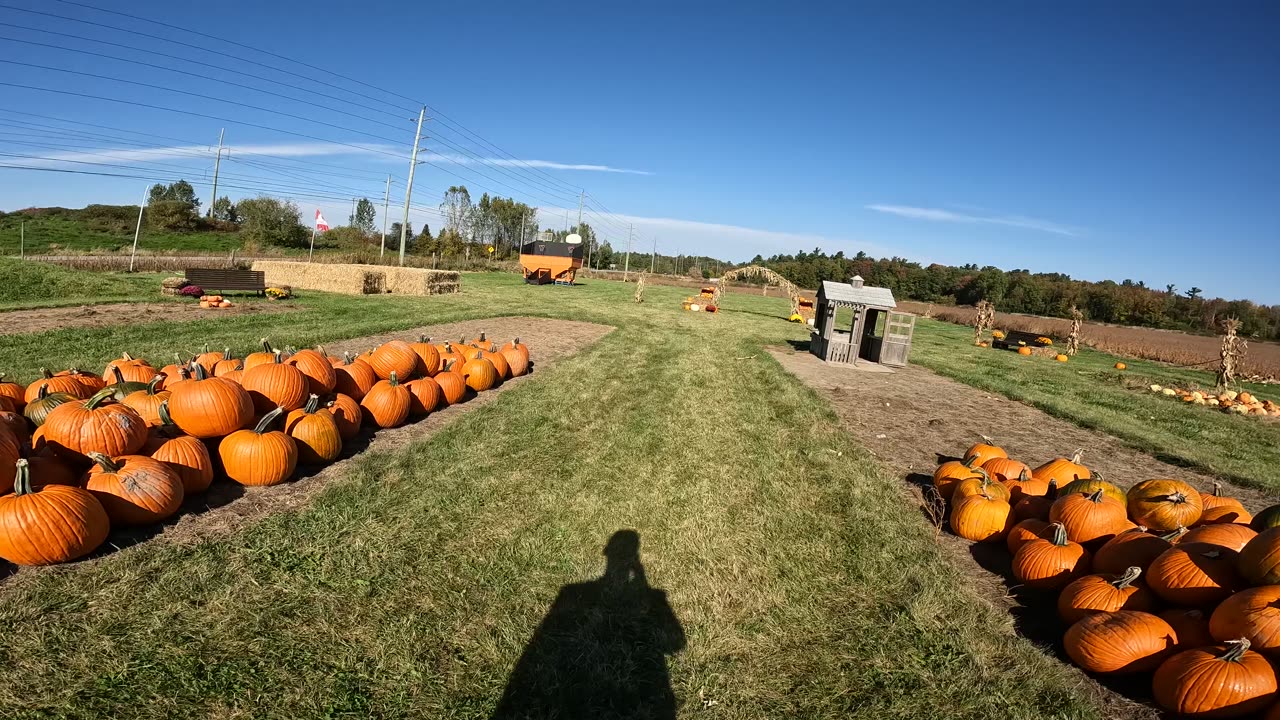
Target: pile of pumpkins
pixel 214 301
pixel 1239 403
pixel 1161 578
pixel 88 452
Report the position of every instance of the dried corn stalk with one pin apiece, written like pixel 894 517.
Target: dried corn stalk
pixel 1077 324
pixel 1232 355
pixel 763 273
pixel 640 289
pixel 984 320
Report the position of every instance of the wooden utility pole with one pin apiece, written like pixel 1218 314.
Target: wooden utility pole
pixel 386 202
pixel 626 268
pixel 217 163
pixel 408 191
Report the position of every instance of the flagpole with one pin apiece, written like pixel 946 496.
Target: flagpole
pixel 313 243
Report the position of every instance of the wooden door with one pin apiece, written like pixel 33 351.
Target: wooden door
pixel 896 346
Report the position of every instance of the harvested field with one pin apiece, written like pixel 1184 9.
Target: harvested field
pixel 1169 346
pixel 15 322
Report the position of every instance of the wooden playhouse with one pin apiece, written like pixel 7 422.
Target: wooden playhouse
pixel 876 333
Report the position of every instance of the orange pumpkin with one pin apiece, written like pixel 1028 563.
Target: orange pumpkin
pixel 980 484
pixel 1089 518
pixel 1194 575
pixel 1050 563
pixel 1063 470
pixel 207 359
pixel 52 384
pixel 981 518
pixel 131 370
pixel 260 456
pixel 479 373
pixel 517 346
pixel 1004 469
pixel 499 364
pixel 1024 485
pixel 1036 506
pixel 134 489
pixel 1094 482
pixel 1132 548
pixel 315 431
pixel 208 407
pixel 1218 681
pixel 1214 499
pixel 266 355
pixel 15 392
pixel 354 378
pixel 1227 535
pixel 1024 350
pixel 983 451
pixel 452 386
pixel 387 403
pixel 276 384
pixel 1191 626
pixel 186 456
pixel 394 356
pixel 1224 514
pixel 315 367
pixel 1024 532
pixel 424 396
pixel 951 472
pixel 1259 561
pixel 1253 614
pixel 1094 594
pixel 228 364
pixel 1164 505
pixel 346 414
pixel 147 402
pixel 97 425
pixel 516 359
pixel 428 356
pixel 1126 641
pixel 48 525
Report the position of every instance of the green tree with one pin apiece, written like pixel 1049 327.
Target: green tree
pixel 180 191
pixel 224 210
pixel 268 221
pixel 172 215
pixel 457 210
pixel 364 216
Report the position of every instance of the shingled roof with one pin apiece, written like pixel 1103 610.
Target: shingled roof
pixel 846 294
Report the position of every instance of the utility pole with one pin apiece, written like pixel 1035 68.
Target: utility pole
pixel 353 212
pixel 581 195
pixel 408 191
pixel 217 162
pixel 138 230
pixel 22 240
pixel 654 256
pixel 626 268
pixel 386 202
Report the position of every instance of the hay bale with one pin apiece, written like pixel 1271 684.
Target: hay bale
pixel 419 281
pixel 345 279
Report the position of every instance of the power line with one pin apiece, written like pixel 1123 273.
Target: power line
pixel 195 47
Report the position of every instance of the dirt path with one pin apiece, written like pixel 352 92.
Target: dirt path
pixel 911 419
pixel 227 506
pixel 16 322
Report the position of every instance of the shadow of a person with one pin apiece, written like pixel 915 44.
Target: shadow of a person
pixel 601 650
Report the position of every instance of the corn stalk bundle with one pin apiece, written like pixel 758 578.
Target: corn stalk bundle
pixel 1232 355
pixel 640 289
pixel 984 320
pixel 762 273
pixel 1077 324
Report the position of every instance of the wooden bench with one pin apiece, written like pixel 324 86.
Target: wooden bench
pixel 211 279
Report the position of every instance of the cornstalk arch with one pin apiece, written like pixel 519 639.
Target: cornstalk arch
pixel 763 273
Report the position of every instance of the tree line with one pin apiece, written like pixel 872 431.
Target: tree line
pixel 1128 302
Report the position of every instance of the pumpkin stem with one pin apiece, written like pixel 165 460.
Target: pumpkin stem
pixel 346 357
pixel 45 372
pixel 1126 579
pixel 1052 492
pixel 126 357
pixel 448 347
pixel 226 354
pixel 515 342
pixel 22 480
pixel 115 370
pixel 1235 650
pixel 1096 497
pixel 1217 486
pixel 163 412
pixel 1059 536
pixel 276 357
pixel 98 397
pixel 151 386
pixel 969 461
pixel 199 371
pixel 1176 498
pixel 479 353
pixel 1024 476
pixel 424 339
pixel 265 423
pixel 313 404
pixel 104 462
pixel 987 440
pixel 392 379
pixel 448 364
pixel 42 392
pixel 1173 534
pixel 1077 456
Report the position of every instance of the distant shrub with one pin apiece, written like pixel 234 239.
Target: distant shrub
pixel 173 215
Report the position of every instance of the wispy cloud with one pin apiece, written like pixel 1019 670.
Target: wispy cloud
pixel 302 150
pixel 940 215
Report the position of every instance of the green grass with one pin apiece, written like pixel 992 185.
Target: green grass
pixel 1090 392
pixel 66 231
pixel 806 583
pixel 28 284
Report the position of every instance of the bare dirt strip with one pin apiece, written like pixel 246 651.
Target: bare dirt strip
pixel 912 419
pixel 17 322
pixel 228 506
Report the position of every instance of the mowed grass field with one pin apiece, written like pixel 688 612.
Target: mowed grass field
pixel 53 233
pixel 1089 391
pixel 802 580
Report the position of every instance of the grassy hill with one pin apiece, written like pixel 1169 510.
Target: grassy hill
pixel 33 284
pixel 101 228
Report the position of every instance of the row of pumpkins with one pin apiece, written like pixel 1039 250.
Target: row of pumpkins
pixel 85 455
pixel 1240 403
pixel 1160 579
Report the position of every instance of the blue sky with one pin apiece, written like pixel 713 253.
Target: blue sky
pixel 1104 140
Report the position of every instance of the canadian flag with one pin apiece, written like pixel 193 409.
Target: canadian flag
pixel 321 224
